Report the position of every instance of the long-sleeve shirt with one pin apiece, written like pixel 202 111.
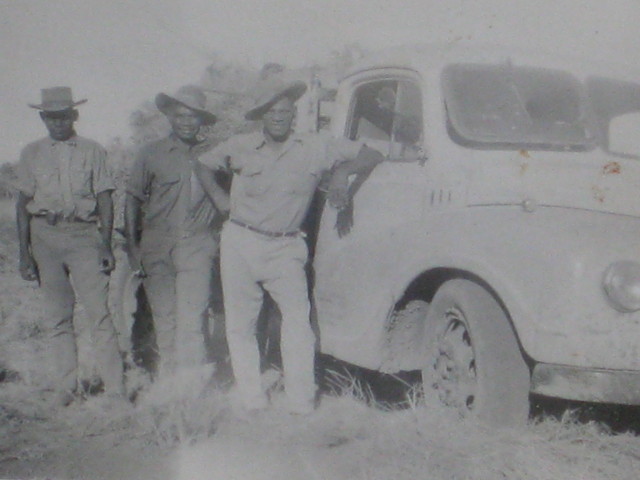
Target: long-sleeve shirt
pixel 163 179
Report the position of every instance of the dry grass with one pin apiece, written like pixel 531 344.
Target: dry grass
pixel 349 437
pixel 346 439
pixel 178 410
pixel 182 409
pixel 21 347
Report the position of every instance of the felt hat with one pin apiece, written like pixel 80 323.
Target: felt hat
pixel 190 96
pixel 270 92
pixel 57 99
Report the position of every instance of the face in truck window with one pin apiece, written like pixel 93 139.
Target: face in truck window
pixel 514 107
pixel 373 111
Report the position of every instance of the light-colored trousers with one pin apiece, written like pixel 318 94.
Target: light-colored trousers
pixel 70 252
pixel 249 262
pixel 178 287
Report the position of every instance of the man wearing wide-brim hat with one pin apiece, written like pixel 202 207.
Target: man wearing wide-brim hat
pixel 275 174
pixel 65 218
pixel 173 244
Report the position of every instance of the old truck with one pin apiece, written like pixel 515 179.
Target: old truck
pixel 498 248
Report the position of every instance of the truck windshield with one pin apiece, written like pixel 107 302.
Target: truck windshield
pixel 513 107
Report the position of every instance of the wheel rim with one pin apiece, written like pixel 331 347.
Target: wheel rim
pixel 455 364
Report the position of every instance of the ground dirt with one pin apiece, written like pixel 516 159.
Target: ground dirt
pixel 188 428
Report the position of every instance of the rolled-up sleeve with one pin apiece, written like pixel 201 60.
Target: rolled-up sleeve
pixel 102 178
pixel 25 181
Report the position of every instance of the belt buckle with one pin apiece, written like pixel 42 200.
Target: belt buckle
pixel 52 218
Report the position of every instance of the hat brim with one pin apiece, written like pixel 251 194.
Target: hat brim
pixel 294 91
pixel 165 104
pixel 53 107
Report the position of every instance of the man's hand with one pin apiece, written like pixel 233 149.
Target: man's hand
pixel 135 262
pixel 28 268
pixel 216 194
pixel 344 220
pixel 221 201
pixel 107 260
pixel 338 189
pixel 344 193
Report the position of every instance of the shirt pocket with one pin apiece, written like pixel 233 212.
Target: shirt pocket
pixel 299 182
pixel 253 179
pixel 166 184
pixel 81 180
pixel 46 180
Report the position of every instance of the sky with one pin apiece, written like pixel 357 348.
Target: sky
pixel 120 53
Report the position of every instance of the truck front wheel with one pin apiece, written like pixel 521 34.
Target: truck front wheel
pixel 475 363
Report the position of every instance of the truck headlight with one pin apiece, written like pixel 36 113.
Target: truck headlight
pixel 621 283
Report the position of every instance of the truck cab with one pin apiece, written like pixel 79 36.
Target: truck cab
pixel 497 249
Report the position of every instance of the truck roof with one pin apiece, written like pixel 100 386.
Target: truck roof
pixel 426 57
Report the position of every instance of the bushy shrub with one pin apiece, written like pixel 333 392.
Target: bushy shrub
pixel 7 177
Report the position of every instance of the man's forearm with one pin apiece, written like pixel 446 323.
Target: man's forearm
pixel 131 218
pixel 365 161
pixel 105 214
pixel 361 166
pixel 216 194
pixel 23 218
pixel 339 191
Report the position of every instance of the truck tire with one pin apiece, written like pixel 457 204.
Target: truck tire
pixel 475 363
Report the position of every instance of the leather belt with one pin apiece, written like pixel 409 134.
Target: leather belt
pixel 53 218
pixel 264 232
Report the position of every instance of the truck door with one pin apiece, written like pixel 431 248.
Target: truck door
pixel 354 274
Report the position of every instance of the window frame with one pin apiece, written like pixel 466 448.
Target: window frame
pixel 396 79
pixel 482 140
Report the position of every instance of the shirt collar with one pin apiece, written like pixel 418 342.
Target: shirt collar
pixel 260 141
pixel 72 141
pixel 174 143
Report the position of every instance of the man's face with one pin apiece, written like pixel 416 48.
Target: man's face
pixel 185 123
pixel 60 124
pixel 277 121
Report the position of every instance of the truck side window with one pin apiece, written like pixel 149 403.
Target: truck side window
pixel 387 115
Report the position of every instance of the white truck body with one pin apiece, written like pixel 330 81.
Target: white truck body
pixel 516 172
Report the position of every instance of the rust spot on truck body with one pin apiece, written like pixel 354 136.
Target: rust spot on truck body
pixel 611 168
